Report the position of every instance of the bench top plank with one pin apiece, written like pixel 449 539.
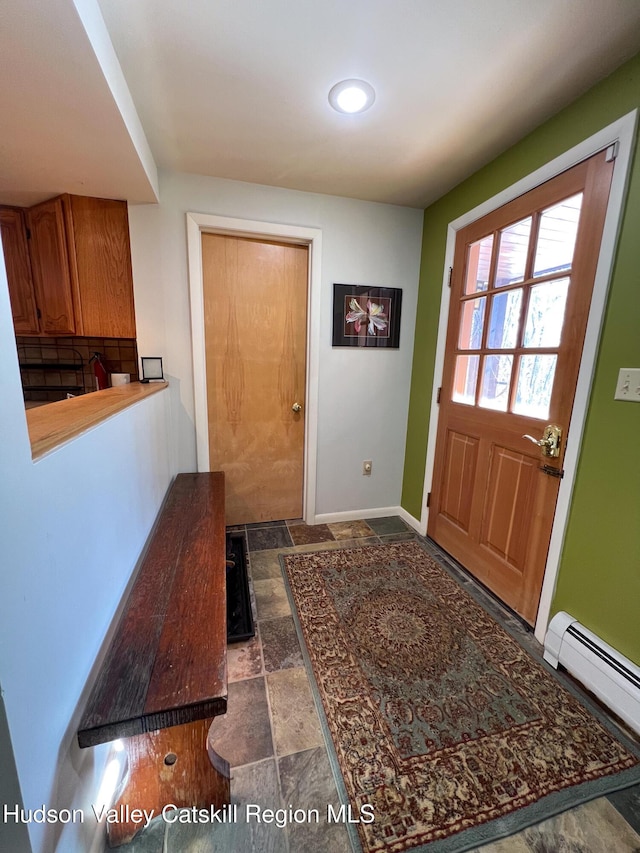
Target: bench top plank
pixel 166 664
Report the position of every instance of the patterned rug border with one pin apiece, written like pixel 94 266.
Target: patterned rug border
pixel 352 832
pixel 498 828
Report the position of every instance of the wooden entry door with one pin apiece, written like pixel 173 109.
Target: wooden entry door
pixel 520 295
pixel 255 307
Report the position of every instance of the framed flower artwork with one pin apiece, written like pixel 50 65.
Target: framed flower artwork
pixel 366 316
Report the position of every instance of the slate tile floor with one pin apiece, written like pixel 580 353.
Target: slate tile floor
pixel 272 738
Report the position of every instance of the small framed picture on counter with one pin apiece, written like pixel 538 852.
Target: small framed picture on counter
pixel 151 369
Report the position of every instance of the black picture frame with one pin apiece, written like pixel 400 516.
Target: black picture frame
pixel 356 325
pixel 152 369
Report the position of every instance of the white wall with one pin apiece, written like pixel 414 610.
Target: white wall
pixel 72 526
pixel 363 394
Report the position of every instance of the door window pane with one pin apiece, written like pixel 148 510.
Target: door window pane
pixel 505 317
pixel 557 237
pixel 545 313
pixel 535 384
pixel 496 375
pixel 512 258
pixel 478 265
pixel 471 323
pixel 466 378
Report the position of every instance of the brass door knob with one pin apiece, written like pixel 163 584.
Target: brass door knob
pixel 550 441
pixel 296 407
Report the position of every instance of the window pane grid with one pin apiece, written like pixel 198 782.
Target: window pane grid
pixel 491 377
pixel 496 370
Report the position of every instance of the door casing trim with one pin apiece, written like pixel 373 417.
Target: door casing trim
pixel 199 223
pixel 623 132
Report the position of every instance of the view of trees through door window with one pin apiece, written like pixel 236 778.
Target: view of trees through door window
pixel 516 286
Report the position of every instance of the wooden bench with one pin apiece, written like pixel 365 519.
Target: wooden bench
pixel 164 677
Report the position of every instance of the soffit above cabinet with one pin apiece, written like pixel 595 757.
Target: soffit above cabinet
pixel 69 124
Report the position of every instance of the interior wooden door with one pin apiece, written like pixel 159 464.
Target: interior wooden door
pixel 520 295
pixel 255 306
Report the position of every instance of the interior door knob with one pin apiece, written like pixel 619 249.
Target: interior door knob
pixel 296 407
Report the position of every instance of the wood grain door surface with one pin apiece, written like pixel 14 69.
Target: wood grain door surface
pixel 255 306
pixel 520 295
pixel 18 266
pixel 100 259
pixel 50 268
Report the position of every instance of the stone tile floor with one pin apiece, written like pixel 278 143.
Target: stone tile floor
pixel 272 738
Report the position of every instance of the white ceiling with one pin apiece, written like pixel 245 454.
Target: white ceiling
pixel 238 89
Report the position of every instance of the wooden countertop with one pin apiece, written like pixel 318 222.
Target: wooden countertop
pixel 55 424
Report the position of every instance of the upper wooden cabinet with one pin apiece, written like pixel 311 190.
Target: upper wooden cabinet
pixel 100 264
pixel 80 277
pixel 16 257
pixel 50 268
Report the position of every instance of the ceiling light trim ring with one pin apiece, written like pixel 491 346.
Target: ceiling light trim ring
pixel 352 96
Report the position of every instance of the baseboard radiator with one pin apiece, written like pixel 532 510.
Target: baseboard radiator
pixel 614 679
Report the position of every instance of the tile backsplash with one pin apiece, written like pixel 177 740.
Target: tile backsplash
pixel 43 381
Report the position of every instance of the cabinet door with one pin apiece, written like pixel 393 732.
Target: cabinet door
pixel 16 259
pixel 100 253
pixel 50 267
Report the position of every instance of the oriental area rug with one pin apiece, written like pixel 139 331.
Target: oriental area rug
pixel 439 719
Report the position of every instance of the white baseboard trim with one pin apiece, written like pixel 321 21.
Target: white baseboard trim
pixel 355 514
pixel 374 512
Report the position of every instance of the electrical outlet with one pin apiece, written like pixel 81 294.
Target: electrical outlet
pixel 628 386
pixel 367 465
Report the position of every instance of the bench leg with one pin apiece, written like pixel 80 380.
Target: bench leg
pixel 174 765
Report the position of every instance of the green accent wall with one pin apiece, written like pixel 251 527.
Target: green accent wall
pixel 599 577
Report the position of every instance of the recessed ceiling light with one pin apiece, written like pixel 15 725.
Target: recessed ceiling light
pixel 352 96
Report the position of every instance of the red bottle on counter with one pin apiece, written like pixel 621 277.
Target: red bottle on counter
pixel 100 371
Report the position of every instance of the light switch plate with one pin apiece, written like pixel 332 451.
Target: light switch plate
pixel 628 386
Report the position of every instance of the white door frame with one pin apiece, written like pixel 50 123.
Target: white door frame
pixel 623 133
pixel 197 223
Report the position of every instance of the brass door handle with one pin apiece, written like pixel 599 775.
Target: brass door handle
pixel 296 407
pixel 550 441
